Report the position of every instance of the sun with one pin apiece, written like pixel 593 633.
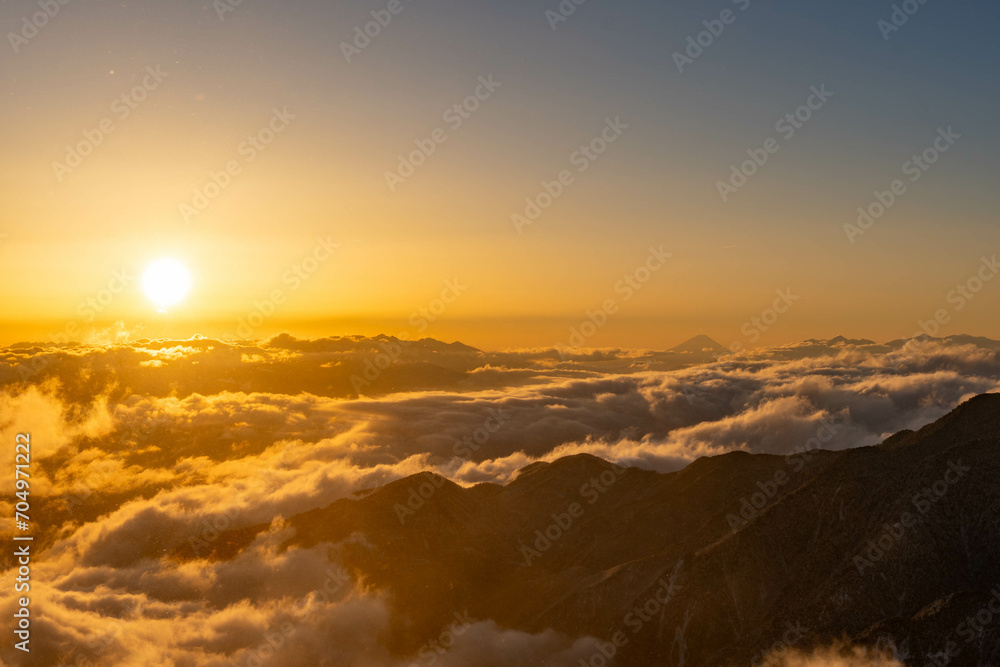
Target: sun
pixel 166 282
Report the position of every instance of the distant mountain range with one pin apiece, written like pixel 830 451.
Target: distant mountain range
pixel 895 546
pixel 351 366
pixel 705 345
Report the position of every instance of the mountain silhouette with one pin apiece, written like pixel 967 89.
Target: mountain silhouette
pixel 895 546
pixel 700 344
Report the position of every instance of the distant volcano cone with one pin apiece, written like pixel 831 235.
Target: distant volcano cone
pixel 699 345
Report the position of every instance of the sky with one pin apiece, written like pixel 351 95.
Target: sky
pixel 269 147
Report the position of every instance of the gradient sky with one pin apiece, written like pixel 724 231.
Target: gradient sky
pixel 61 241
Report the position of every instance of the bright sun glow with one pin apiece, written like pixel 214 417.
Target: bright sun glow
pixel 166 282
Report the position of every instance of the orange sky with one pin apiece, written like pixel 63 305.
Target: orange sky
pixel 234 145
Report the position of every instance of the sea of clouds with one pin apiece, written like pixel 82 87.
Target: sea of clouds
pixel 140 449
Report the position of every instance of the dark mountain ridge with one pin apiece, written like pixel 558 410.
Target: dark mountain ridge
pixel 896 545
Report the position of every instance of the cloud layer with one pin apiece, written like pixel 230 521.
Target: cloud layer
pixel 146 453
